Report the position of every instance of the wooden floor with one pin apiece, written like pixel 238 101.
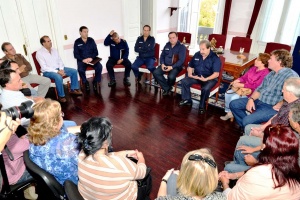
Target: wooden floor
pixel 143 119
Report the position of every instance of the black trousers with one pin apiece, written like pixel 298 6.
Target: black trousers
pixel 110 67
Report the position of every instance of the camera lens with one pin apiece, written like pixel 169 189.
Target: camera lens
pixel 24 110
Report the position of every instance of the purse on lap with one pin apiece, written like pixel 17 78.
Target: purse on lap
pixel 239 91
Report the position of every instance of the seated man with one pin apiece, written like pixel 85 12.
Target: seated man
pixel 203 69
pixel 53 68
pixel 119 52
pixel 168 63
pixel 261 103
pixel 25 68
pixel 145 47
pixel 85 51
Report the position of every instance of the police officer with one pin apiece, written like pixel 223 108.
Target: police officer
pixel 119 52
pixel 145 47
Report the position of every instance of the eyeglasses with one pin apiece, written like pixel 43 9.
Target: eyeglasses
pixel 197 157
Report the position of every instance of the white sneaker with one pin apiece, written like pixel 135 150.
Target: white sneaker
pixel 227 116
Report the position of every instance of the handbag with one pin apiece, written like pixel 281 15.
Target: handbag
pixel 239 91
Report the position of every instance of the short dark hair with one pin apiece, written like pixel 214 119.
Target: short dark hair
pixel 93 133
pixel 4 44
pixel 6 64
pixel 5 76
pixel 82 27
pixel 172 33
pixel 147 26
pixel 42 40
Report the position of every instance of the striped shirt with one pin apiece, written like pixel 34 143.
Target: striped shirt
pixel 108 177
pixel 271 88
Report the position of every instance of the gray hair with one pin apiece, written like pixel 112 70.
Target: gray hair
pixel 293 85
pixel 295 109
pixel 206 42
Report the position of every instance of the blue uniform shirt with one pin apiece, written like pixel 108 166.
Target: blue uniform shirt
pixel 84 50
pixel 115 49
pixel 166 57
pixel 145 48
pixel 206 67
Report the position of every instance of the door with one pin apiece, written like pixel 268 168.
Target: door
pixel 131 21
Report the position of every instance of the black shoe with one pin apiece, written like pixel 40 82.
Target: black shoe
pixel 201 111
pixel 112 83
pixel 185 103
pixel 87 86
pixel 166 92
pixel 126 82
pixel 95 86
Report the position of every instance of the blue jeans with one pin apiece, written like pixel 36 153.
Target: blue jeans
pixel 166 84
pixel 205 89
pixel 72 73
pixel 249 127
pixel 24 177
pixel 263 112
pixel 231 97
pixel 149 62
pixel 239 164
pixel 82 68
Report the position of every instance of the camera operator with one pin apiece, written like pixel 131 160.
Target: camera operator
pixel 7 127
pixel 11 83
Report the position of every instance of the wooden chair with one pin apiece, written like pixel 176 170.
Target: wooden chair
pixel 271 46
pixel 38 69
pixel 221 39
pixel 196 88
pixel 238 42
pixel 144 69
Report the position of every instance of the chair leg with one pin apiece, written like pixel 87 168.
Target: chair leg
pixel 68 86
pixel 150 77
pixel 175 85
pixel 217 96
pixel 56 93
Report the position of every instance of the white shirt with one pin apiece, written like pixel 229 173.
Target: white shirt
pixel 50 62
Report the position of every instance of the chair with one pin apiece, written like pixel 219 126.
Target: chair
pixel 12 191
pixel 38 69
pixel 72 191
pixel 186 36
pixel 47 186
pixel 144 69
pixel 271 46
pixel 221 39
pixel 238 42
pixel 196 88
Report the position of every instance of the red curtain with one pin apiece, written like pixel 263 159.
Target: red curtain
pixel 226 16
pixel 254 17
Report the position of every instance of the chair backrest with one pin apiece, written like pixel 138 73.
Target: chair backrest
pixel 185 35
pixel 156 53
pixel 271 46
pixel 50 187
pixel 187 58
pixel 238 42
pixel 221 39
pixel 36 63
pixel 72 191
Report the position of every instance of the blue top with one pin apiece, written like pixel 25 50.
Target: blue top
pixel 117 51
pixel 206 67
pixel 166 57
pixel 271 88
pixel 145 48
pixel 84 50
pixel 59 156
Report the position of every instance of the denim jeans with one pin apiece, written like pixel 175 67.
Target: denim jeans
pixel 24 177
pixel 72 73
pixel 230 97
pixel 262 113
pixel 166 84
pixel 205 89
pixel 239 164
pixel 82 69
pixel 149 62
pixel 249 127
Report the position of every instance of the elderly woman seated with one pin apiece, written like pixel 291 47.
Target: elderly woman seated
pixel 53 147
pixel 197 179
pixel 104 175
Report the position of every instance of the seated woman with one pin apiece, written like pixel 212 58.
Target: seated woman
pixel 104 175
pixel 53 147
pixel 252 79
pixel 197 179
pixel 276 175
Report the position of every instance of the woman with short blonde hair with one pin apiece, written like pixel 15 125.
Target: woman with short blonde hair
pixel 197 178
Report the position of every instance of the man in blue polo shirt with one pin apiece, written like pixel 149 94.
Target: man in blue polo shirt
pixel 85 51
pixel 119 52
pixel 203 69
pixel 168 64
pixel 145 47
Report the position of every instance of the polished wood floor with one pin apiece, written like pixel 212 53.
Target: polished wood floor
pixel 143 119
